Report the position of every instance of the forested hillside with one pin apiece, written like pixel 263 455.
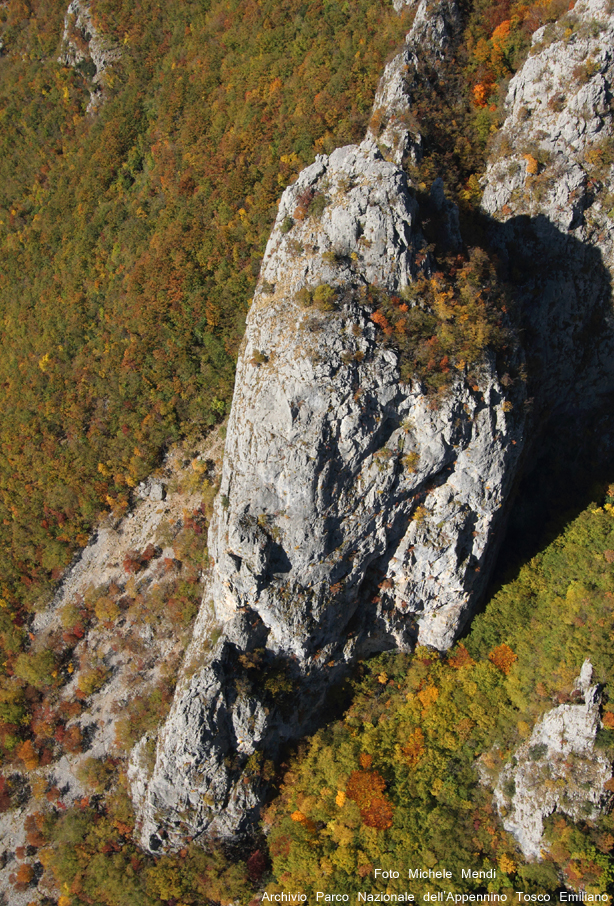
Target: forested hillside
pixel 405 777
pixel 131 239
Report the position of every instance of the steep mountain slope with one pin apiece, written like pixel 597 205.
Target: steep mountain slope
pixel 132 234
pixel 357 512
pixel 548 183
pixel 396 376
pixel 407 775
pixel 79 188
pixel 338 479
pixel 122 617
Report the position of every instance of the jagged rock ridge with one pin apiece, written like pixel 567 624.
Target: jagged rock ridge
pixel 353 515
pixel 548 185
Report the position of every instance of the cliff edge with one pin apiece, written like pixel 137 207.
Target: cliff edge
pixel 359 510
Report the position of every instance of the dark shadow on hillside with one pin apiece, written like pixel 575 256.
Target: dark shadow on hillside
pixel 573 466
pixel 560 303
pixel 560 311
pixel 561 308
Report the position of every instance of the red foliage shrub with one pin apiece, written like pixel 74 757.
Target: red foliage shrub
pixel 378 814
pixel 46 757
pixel 28 755
pixel 460 658
pixel 380 319
pixel 281 846
pixel 366 789
pixel 256 865
pixel 70 709
pixel 73 740
pixel 53 794
pixel 33 825
pixel 134 561
pixel 23 877
pixel 5 796
pixel 303 201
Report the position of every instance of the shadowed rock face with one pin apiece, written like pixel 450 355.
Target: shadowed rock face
pixel 353 515
pixel 548 185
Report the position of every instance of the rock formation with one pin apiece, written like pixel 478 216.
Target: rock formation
pixel 84 47
pixel 433 30
pixel 548 184
pixel 551 157
pixel 135 644
pixel 557 769
pixel 354 514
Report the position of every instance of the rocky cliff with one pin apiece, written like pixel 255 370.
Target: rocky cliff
pixel 548 187
pixel 357 511
pixel 114 609
pixel 85 48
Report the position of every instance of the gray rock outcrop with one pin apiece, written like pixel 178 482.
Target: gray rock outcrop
pixel 551 157
pixel 354 514
pixel 557 769
pixel 548 186
pixel 433 29
pixel 83 46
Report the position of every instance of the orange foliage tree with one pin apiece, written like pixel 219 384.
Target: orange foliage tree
pixel 503 657
pixel 366 789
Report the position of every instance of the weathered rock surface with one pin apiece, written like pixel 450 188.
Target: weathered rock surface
pixel 83 46
pixel 139 647
pixel 330 540
pixel 549 186
pixel 432 31
pixel 551 157
pixel 354 516
pixel 557 769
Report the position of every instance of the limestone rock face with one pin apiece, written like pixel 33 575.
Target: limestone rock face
pixel 549 157
pixel 354 516
pixel 548 190
pixel 557 769
pixel 84 46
